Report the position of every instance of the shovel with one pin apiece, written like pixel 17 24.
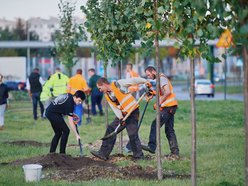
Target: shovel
pixel 115 132
pixel 88 119
pixel 79 144
pixel 81 148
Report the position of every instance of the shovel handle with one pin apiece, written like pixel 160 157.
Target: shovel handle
pixel 134 106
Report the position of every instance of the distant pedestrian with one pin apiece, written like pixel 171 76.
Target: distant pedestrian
pixel 61 106
pixel 55 85
pixel 96 95
pixel 130 73
pixel 34 87
pixel 77 82
pixel 3 101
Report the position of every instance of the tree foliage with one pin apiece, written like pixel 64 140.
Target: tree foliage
pixel 67 38
pixel 19 33
pixel 112 27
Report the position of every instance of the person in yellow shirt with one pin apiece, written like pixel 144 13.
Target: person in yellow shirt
pixel 77 82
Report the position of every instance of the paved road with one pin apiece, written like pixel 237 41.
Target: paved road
pixel 184 95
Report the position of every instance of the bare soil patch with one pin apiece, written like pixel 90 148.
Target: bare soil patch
pixel 65 167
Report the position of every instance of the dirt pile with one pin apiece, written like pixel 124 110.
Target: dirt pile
pixel 65 167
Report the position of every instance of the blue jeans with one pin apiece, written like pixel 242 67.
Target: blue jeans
pixel 35 101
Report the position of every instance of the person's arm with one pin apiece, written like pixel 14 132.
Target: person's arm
pixel 165 89
pixel 28 88
pixel 73 127
pixel 42 82
pixel 131 81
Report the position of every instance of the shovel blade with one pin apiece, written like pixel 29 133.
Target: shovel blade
pixel 80 147
pixel 88 120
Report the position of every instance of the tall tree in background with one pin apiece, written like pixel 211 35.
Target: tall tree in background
pixel 191 24
pixel 112 27
pixel 67 38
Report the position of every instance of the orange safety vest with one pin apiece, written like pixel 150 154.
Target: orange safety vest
pixel 171 99
pixel 75 83
pixel 133 88
pixel 126 101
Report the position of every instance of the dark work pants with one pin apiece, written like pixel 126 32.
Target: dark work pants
pixel 96 99
pixel 61 131
pixel 167 118
pixel 35 101
pixel 131 125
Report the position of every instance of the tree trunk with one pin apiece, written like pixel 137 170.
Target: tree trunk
pixel 121 134
pixel 245 63
pixel 193 122
pixel 158 152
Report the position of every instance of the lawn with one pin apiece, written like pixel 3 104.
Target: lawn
pixel 220 144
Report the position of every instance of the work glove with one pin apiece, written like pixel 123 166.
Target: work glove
pixel 148 84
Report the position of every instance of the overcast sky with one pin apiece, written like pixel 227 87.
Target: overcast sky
pixel 12 9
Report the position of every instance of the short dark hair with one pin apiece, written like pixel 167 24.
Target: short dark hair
pixel 92 70
pixel 150 69
pixel 36 70
pixel 102 80
pixel 79 71
pixel 80 94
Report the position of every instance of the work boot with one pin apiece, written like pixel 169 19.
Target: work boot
pixel 101 114
pixel 147 148
pixel 99 155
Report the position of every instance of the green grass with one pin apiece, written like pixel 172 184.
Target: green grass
pixel 220 144
pixel 230 89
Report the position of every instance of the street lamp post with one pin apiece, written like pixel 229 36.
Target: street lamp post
pixel 28 50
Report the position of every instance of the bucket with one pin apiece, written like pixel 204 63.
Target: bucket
pixel 32 172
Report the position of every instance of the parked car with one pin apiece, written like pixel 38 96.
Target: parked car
pixel 15 85
pixel 204 87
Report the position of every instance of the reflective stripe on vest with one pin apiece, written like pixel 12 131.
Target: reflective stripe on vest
pixel 126 101
pixel 171 99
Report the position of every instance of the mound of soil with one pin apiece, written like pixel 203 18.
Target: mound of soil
pixel 66 167
pixel 70 168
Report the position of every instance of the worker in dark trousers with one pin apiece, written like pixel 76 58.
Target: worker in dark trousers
pixel 34 87
pixel 121 102
pixel 60 106
pixel 167 107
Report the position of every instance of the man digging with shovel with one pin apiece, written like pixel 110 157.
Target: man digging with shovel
pixel 126 109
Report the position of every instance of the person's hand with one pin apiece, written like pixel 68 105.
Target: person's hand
pixel 148 84
pixel 155 107
pixel 78 137
pixel 148 97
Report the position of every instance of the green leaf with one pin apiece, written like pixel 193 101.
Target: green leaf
pixel 199 33
pixel 161 10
